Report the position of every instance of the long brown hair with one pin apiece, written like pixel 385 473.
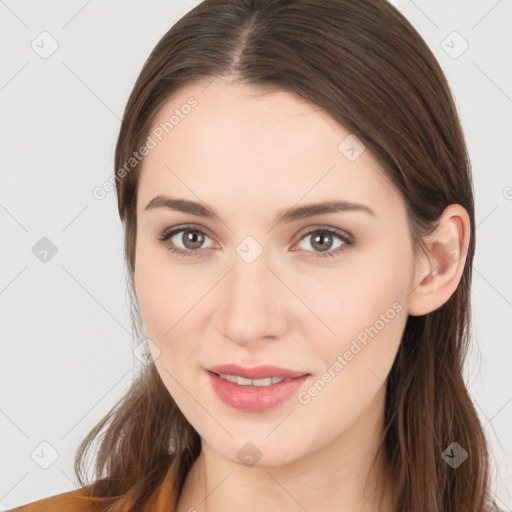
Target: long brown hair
pixel 365 64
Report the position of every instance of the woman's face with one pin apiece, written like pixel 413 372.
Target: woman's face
pixel 254 290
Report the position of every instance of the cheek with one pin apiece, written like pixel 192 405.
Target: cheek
pixel 157 292
pixel 169 298
pixel 354 364
pixel 366 310
pixel 164 302
pixel 153 296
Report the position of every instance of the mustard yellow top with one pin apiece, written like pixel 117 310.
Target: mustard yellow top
pixel 77 500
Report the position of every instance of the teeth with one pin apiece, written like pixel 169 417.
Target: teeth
pixel 242 381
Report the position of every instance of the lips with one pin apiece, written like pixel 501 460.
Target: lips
pixel 255 399
pixel 257 372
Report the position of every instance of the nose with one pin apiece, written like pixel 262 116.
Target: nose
pixel 253 303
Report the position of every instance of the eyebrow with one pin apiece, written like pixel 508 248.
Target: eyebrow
pixel 287 215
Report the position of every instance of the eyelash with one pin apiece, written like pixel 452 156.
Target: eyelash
pixel 348 241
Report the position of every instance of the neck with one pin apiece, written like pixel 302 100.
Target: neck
pixel 345 475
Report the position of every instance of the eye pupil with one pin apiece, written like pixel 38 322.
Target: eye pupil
pixel 195 237
pixel 321 238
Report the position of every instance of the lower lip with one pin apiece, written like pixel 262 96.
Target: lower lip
pixel 254 398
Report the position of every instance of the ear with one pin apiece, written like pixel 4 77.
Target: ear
pixel 438 273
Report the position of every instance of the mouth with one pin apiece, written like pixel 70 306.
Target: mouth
pixel 242 381
pixel 255 373
pixel 255 389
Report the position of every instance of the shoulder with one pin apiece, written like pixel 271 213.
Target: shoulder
pixel 80 500
pixel 71 501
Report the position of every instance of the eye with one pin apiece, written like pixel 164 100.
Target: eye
pixel 192 239
pixel 323 241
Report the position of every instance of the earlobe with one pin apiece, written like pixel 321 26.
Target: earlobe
pixel 442 265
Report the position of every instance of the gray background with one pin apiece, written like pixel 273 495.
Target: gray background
pixel 66 348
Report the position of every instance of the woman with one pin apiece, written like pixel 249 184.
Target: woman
pixel 282 374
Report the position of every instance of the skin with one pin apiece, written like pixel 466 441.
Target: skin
pixel 249 153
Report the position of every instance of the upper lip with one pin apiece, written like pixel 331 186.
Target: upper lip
pixel 257 372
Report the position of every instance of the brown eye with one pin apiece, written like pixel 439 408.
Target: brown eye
pixel 323 240
pixel 189 243
pixel 192 239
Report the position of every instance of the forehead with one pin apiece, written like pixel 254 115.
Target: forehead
pixel 242 143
